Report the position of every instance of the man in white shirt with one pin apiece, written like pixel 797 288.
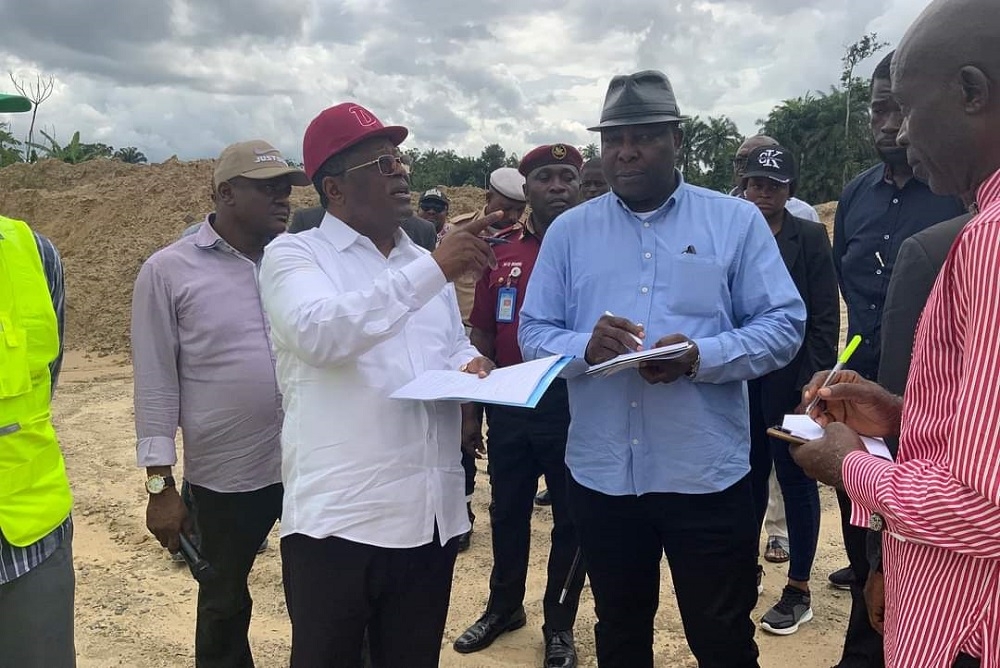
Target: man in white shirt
pixel 374 488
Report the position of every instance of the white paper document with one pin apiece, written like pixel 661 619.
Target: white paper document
pixel 805 427
pixel 519 385
pixel 632 360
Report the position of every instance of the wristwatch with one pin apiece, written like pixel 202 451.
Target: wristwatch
pixel 155 484
pixel 693 371
pixel 876 523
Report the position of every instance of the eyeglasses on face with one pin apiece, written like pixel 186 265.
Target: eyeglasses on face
pixel 386 164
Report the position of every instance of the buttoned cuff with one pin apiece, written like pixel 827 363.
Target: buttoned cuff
pixel 425 278
pixel 156 451
pixel 712 360
pixel 577 349
pixel 861 473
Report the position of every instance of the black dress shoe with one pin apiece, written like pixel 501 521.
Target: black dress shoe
pixel 543 498
pixel 465 541
pixel 560 652
pixel 487 629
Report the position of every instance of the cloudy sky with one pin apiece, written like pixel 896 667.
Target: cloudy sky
pixel 187 77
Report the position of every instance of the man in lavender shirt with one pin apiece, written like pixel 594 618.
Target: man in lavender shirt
pixel 202 361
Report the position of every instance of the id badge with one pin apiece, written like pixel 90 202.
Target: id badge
pixel 506 301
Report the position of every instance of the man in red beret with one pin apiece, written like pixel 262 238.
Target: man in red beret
pixel 525 443
pixel 374 489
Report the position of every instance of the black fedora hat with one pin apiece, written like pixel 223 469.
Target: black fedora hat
pixel 638 99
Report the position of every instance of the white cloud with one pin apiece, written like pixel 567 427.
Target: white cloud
pixel 187 77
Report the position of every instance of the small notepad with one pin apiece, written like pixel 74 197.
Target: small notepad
pixel 804 427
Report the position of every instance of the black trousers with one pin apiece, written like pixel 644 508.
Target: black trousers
pixel 231 526
pixel 335 589
pixel 524 444
pixel 863 646
pixel 469 464
pixel 710 541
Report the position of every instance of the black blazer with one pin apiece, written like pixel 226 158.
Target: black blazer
pixel 805 248
pixel 917 265
pixel 421 231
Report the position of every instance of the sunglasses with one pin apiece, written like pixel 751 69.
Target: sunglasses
pixel 434 207
pixel 387 164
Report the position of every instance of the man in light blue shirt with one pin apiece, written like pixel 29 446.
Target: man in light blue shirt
pixel 659 457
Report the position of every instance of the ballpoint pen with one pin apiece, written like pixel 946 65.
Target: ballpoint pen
pixel 637 339
pixel 841 361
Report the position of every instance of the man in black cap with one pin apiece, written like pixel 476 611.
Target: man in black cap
pixel 659 456
pixel 525 443
pixel 433 207
pixel 769 181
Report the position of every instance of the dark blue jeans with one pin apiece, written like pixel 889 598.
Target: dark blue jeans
pixel 800 491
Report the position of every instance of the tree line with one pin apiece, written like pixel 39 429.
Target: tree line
pixel 827 131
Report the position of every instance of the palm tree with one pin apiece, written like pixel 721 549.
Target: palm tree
pixel 131 155
pixel 590 151
pixel 690 159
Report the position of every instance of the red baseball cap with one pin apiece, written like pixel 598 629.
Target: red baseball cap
pixel 339 128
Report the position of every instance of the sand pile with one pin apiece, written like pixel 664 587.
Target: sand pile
pixel 826 213
pixel 106 217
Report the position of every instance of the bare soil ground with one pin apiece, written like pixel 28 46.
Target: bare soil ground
pixel 135 608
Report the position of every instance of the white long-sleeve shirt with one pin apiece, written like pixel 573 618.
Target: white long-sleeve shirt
pixel 349 327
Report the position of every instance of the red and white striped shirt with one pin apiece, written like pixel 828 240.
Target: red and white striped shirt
pixel 941 498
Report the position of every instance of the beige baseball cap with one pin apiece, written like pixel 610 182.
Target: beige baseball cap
pixel 255 159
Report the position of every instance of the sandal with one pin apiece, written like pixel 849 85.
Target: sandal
pixel 775 552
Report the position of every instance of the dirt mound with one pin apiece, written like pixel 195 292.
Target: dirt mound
pixel 106 217
pixel 826 213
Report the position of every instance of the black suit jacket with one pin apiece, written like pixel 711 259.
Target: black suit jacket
pixel 421 231
pixel 917 266
pixel 805 248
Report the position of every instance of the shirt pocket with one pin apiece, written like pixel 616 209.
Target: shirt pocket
pixel 695 285
pixel 15 374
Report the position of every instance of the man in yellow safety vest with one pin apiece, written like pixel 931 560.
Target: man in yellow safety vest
pixel 36 560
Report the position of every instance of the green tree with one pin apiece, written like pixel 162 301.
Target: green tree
pixel 10 148
pixel 74 152
pixel 688 160
pixel 590 151
pixel 811 127
pixel 708 150
pixel 134 156
pixel 493 157
pixel 860 50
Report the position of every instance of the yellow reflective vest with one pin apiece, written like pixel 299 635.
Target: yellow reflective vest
pixel 34 491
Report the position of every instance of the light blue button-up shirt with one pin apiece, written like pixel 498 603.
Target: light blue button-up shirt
pixel 705 265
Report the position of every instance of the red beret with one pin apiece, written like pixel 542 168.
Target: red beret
pixel 550 154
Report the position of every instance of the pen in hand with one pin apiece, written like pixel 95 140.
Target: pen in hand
pixel 634 337
pixel 841 361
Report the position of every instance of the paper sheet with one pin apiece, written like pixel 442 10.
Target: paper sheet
pixel 518 385
pixel 632 360
pixel 804 427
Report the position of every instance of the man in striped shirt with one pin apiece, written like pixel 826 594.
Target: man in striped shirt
pixel 938 505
